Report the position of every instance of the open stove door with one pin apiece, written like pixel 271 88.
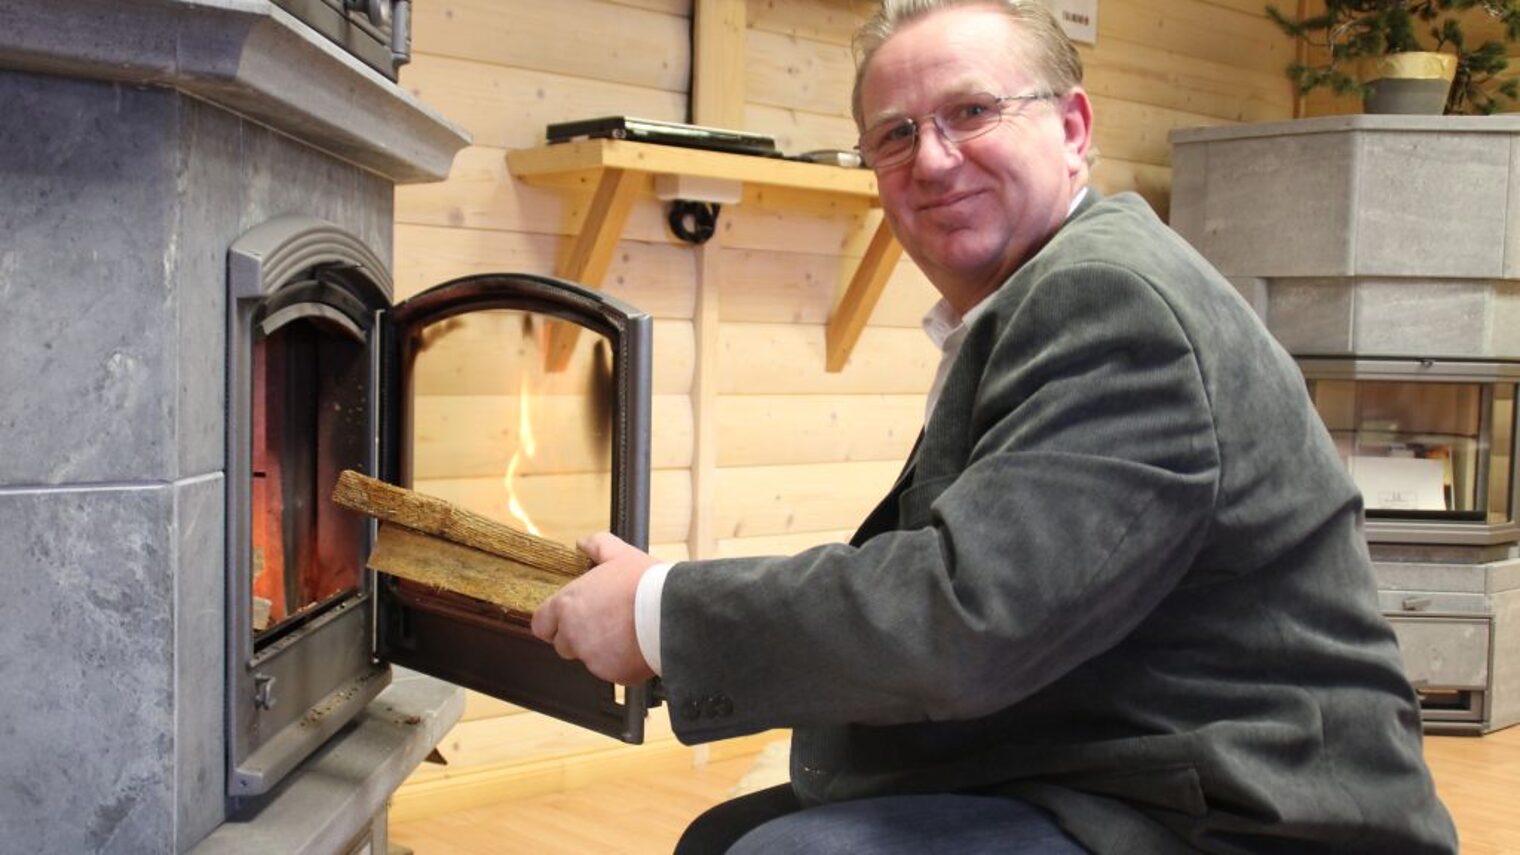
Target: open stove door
pixel 470 642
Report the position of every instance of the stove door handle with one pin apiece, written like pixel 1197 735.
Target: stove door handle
pixel 378 11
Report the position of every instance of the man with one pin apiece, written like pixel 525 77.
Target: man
pixel 1119 601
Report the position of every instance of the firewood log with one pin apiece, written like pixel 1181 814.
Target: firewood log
pixel 433 542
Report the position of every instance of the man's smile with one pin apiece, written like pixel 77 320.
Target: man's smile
pixel 948 200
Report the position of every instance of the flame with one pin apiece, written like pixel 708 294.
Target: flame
pixel 527 447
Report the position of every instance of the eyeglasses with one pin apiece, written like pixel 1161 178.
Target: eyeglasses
pixel 893 142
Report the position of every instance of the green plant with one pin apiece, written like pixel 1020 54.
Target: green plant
pixel 1351 29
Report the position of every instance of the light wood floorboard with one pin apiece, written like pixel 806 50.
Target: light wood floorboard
pixel 1478 779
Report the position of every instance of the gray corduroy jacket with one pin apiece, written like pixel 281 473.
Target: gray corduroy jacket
pixel 1122 578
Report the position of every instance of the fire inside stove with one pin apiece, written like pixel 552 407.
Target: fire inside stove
pixel 496 432
pixel 309 423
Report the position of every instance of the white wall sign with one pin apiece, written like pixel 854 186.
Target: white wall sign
pixel 1079 18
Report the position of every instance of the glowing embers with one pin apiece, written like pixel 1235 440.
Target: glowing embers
pixel 309 422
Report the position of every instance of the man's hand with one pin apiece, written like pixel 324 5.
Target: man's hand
pixel 591 619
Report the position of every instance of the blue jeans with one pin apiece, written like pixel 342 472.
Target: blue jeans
pixel 772 822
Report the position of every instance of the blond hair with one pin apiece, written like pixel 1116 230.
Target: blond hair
pixel 1054 60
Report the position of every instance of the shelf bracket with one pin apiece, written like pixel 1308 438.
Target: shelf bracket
pixel 860 297
pixel 624 170
pixel 592 254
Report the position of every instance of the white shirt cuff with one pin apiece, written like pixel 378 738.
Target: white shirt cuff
pixel 646 613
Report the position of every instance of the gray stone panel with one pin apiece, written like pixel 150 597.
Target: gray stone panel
pixel 206 220
pixel 1189 174
pixel 88 180
pixel 1504 698
pixel 1279 206
pixel 1311 315
pixel 1504 320
pixel 1512 207
pixel 1412 318
pixel 1255 292
pixel 87 630
pixel 247 56
pixel 1469 578
pixel 1431 205
pixel 286 177
pixel 121 204
pixel 200 621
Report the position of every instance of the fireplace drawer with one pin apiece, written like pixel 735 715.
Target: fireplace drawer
pixel 1447 602
pixel 1444 652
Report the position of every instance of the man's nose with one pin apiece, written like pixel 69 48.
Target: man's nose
pixel 935 151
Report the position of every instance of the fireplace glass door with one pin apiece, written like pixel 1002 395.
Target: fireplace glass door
pixel 1430 444
pixel 478 413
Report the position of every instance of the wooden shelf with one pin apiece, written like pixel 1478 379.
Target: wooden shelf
pixel 621 171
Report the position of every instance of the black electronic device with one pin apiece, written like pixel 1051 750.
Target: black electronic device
pixel 664 133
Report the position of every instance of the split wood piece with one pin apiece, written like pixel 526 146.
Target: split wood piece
pixel 441 519
pixel 444 564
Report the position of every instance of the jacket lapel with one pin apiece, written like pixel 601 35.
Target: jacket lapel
pixel 884 516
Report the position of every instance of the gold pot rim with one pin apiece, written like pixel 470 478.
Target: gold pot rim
pixel 1411 65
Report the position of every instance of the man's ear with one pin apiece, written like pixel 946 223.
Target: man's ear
pixel 1077 122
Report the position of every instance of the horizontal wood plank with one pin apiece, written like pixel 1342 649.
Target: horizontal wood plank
pixel 669 7
pixel 1199 29
pixel 797 131
pixel 656 277
pixel 566 508
pixel 830 21
pixel 758 430
pixel 1153 183
pixel 472 436
pixel 767 221
pixel 1136 132
pixel 1123 70
pixel 804 288
pixel 780 544
pixel 586 38
pixel 885 361
pixel 771 500
pixel 482 354
pixel 509 107
pixel 799 73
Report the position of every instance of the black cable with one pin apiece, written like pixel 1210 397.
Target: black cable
pixel 694 222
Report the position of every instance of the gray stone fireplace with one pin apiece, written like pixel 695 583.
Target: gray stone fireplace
pixel 1384 253
pixel 139 140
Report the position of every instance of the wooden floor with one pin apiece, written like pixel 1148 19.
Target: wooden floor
pixel 1478 778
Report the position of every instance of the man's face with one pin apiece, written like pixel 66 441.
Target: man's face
pixel 971 213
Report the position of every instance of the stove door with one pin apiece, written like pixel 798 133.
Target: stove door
pixel 471 414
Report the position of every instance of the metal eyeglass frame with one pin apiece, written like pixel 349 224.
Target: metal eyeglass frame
pixel 916 124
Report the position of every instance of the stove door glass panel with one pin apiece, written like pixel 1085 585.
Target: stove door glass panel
pixel 472 415
pixel 1423 449
pixel 495 432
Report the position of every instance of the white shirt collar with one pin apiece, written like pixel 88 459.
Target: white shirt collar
pixel 941 321
pixel 948 330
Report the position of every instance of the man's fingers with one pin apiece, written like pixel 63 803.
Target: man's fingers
pixel 563 647
pixel 546 619
pixel 602 546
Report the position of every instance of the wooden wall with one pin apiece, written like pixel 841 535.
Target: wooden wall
pixel 757 449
